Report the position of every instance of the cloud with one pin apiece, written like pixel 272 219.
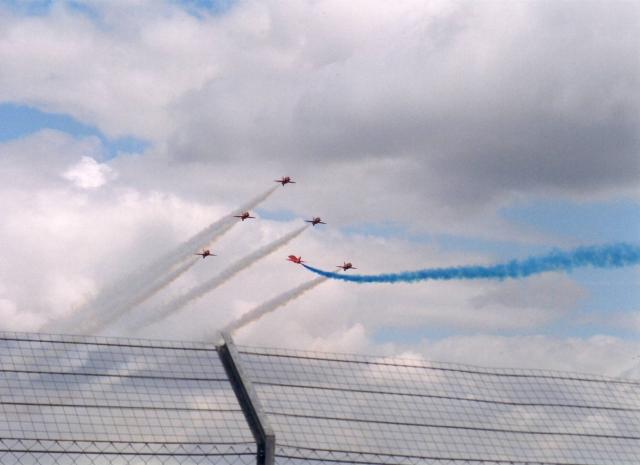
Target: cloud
pixel 463 306
pixel 627 321
pixel 64 243
pixel 90 236
pixel 464 107
pixel 176 305
pixel 15 320
pixel 89 174
pixel 428 117
pixel 446 108
pixel 601 354
pixel 131 56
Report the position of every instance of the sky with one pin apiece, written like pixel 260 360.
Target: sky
pixel 435 133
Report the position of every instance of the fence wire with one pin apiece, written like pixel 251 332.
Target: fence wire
pixel 353 409
pixel 117 401
pixel 86 400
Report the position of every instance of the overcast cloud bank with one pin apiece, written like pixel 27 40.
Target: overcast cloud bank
pixel 428 116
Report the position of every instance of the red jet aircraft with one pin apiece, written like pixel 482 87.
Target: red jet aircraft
pixel 244 216
pixel 347 266
pixel 294 259
pixel 285 180
pixel 205 253
pixel 315 220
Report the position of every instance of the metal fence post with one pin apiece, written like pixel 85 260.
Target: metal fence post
pixel 249 402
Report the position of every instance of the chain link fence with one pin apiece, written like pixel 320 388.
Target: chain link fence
pixel 89 400
pixel 356 409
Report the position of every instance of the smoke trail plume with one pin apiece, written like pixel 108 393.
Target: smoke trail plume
pixel 604 256
pixel 207 286
pixel 150 290
pixel 119 297
pixel 273 304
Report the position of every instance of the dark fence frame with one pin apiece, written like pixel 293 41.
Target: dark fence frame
pixel 248 400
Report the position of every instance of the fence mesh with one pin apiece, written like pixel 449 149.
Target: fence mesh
pixel 337 408
pixel 87 400
pixel 97 401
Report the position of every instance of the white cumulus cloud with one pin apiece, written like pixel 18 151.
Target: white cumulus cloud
pixel 89 174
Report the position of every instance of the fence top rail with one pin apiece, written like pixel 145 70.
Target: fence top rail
pixel 382 359
pixel 421 363
pixel 106 341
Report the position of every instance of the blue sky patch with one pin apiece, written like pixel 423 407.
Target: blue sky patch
pixel 386 230
pixel 29 7
pixel 500 249
pixel 276 215
pixel 198 7
pixel 617 220
pixel 20 121
pixel 43 7
pixel 609 291
pixel 84 9
pixel 413 335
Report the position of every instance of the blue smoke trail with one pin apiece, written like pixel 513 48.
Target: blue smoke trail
pixel 603 256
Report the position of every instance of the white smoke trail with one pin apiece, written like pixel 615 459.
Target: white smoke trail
pixel 273 304
pixel 116 299
pixel 150 290
pixel 218 280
